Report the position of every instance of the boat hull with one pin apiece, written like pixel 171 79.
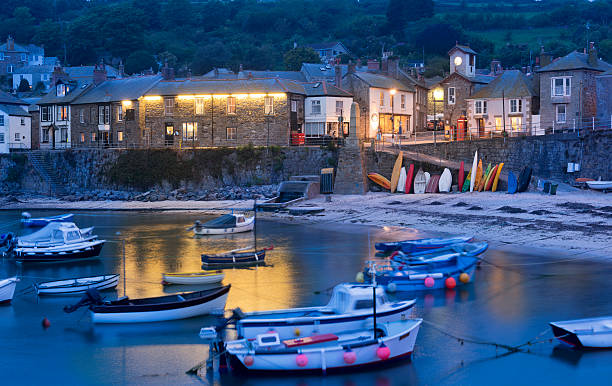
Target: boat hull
pixel 77 286
pixel 202 231
pixel 421 245
pixel 75 252
pixel 234 260
pixel 7 289
pixel 595 333
pixel 192 279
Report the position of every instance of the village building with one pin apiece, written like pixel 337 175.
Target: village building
pixel 196 112
pixel 329 52
pixel 604 99
pixel 327 112
pixel 13 56
pixel 15 124
pixel 568 90
pixel 506 106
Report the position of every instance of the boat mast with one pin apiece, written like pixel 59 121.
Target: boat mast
pixel 373 270
pixel 255 224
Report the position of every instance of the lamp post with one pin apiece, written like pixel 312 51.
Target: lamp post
pixel 438 94
pixel 392 92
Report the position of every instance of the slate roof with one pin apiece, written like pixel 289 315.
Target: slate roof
pixel 414 81
pixel 116 90
pixel 463 48
pixel 324 45
pixel 51 61
pixel 382 81
pixel 433 80
pixel 15 110
pixel 314 71
pixel 6 98
pixel 225 86
pixel 76 89
pixel 224 73
pixel 42 69
pixel 575 61
pixel 510 84
pixel 29 48
pixel 85 73
pixel 324 89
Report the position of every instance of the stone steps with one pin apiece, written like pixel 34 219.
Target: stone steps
pixel 47 172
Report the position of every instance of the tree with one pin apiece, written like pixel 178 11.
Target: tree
pixel 399 12
pixel 438 38
pixel 139 61
pixel 209 56
pixel 293 59
pixel 24 85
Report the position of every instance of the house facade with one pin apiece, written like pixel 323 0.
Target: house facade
pixel 13 56
pixel 604 99
pixel 34 75
pixel 327 111
pixel 329 51
pixel 506 105
pixel 15 124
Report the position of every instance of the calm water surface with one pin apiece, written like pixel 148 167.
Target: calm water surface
pixel 508 306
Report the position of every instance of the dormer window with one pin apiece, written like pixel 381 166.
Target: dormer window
pixel 60 90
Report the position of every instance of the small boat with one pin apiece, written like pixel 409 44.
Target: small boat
pixel 349 307
pixel 329 352
pixel 228 223
pixel 600 185
pixel 440 255
pixel 39 222
pixel 380 180
pixel 203 277
pixel 77 286
pixel 155 309
pixel 7 289
pixel 235 258
pixel 57 241
pixel 419 245
pixel 585 333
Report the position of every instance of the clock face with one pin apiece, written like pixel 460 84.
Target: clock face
pixel 458 60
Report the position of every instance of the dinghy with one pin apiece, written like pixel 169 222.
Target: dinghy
pixel 329 352
pixel 203 277
pixel 349 308
pixel 155 309
pixel 28 221
pixel 77 286
pixel 600 185
pixel 585 333
pixel 420 182
pixel 7 289
pixel 439 255
pixel 419 245
pixel 235 258
pixel 228 223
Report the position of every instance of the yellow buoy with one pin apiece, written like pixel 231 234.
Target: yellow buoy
pixel 464 278
pixel 296 332
pixel 359 277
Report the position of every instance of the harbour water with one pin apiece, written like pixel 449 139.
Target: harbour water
pixel 510 303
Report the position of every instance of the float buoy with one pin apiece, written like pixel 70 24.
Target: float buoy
pixel 464 278
pixel 391 287
pixel 359 277
pixel 450 283
pixel 249 360
pixel 46 323
pixel 296 332
pixel 349 357
pixel 429 282
pixel 383 352
pixel 301 360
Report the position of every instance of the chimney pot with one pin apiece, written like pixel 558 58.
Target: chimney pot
pixel 338 75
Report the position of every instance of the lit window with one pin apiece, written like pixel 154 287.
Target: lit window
pixel 516 123
pixel 230 133
pixel 119 113
pixel 268 105
pixel 62 113
pixel 316 107
pixel 169 106
pixel 339 108
pixel 231 105
pixel 561 114
pixel 382 98
pixel 169 129
pixel 561 86
pixel 190 131
pixel 82 137
pixel 498 124
pixel 94 136
pixel 120 136
pixel 199 106
pixel 60 89
pixel 451 96
pixel 516 105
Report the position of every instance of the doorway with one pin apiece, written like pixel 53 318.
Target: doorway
pixel 481 127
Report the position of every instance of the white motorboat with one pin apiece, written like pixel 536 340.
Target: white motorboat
pixel 328 352
pixel 585 333
pixel 226 224
pixel 7 289
pixel 203 277
pixel 600 185
pixel 77 286
pixel 349 308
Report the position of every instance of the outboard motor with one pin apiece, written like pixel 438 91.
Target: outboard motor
pixel 6 238
pixel 91 297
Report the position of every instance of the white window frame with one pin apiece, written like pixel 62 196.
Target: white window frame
pixel 190 131
pixel 231 105
pixel 480 107
pixel 382 98
pixel 1 137
pixel 514 125
pixel 294 104
pixel 1 120
pixel 561 117
pixel 403 101
pixel 451 96
pixel 22 121
pixel 268 105
pixel 82 116
pixel 60 110
pixel 230 133
pixel 103 114
pixel 199 106
pixel 516 106
pixel 17 137
pixel 339 108
pixel 60 90
pixel 315 107
pixel 119 111
pixel 168 106
pixel 48 111
pixel 566 86
pixel 9 68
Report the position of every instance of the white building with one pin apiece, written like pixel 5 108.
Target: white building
pixel 15 124
pixel 327 111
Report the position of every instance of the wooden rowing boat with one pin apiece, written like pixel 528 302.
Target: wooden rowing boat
pixel 77 286
pixel 202 277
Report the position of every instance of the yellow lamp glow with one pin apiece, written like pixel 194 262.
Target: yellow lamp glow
pixel 240 96
pixel 186 97
pixel 392 91
pixel 153 98
pixel 221 95
pixel 257 95
pixel 438 94
pixel 277 95
pixel 458 60
pixel 126 104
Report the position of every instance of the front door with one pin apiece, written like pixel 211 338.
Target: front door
pixel 105 138
pixel 481 127
pixel 169 136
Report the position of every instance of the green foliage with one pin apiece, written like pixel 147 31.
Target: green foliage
pixel 293 59
pixel 400 12
pixel 15 171
pixel 139 61
pixel 24 85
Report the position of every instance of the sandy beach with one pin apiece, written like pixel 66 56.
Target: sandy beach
pixel 573 223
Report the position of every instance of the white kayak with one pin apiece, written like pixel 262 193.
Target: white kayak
pixel 77 286
pixel 203 277
pixel 585 333
pixel 7 289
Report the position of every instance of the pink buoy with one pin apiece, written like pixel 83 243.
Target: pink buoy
pixel 249 360
pixel 450 283
pixel 429 282
pixel 383 352
pixel 301 360
pixel 349 357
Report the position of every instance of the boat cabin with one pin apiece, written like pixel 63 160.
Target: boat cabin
pixel 350 298
pixel 56 233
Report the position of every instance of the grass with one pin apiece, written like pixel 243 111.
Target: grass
pixel 533 37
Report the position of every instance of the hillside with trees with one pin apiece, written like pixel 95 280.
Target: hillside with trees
pixel 199 35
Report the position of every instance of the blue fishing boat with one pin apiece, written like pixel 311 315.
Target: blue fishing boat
pixel 440 255
pixel 39 222
pixel 421 245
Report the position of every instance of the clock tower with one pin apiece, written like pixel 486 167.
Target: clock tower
pixel 462 60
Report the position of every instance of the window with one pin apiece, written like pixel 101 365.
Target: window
pixel 480 107
pixel 1 120
pixel 516 123
pixel 120 136
pixel 269 105
pixel 363 304
pixel 561 114
pixel 293 106
pixel 498 124
pixel 403 101
pixel 231 105
pixel 22 121
pixel 169 106
pixel 561 86
pixel 62 112
pixel 82 137
pixel 199 106
pixel 17 137
pixel 1 55
pixel 1 137
pixel 451 95
pixel 382 98
pixel 45 114
pixel 314 129
pixel 9 68
pixel 103 115
pixel 45 135
pixel 516 105
pixel 316 107
pixel 92 114
pixel 60 90
pixel 190 131
pixel 24 57
pixel 230 133
pixel 119 113
pixel 64 134
pixel 169 129
pixel 339 108
pixel 94 136
pixel 82 116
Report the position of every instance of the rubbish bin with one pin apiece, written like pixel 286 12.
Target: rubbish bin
pixel 553 189
pixel 327 181
pixel 546 187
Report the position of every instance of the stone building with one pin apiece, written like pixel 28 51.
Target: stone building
pixel 195 112
pixel 13 56
pixel 111 114
pixel 327 111
pixel 568 92
pixel 604 99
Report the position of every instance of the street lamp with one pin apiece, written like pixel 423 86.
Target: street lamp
pixel 392 92
pixel 438 95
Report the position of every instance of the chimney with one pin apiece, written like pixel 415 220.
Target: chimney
pixel 393 67
pixel 545 58
pixel 99 73
pixel 592 60
pixel 10 43
pixel 338 75
pixel 167 72
pixel 351 68
pixel 240 68
pixel 524 69
pixel 58 73
pixel 373 65
pixel 495 67
pixel 121 69
pixel 384 65
pixel 250 75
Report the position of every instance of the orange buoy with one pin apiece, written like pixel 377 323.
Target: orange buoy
pixel 349 357
pixel 464 278
pixel 429 282
pixel 248 360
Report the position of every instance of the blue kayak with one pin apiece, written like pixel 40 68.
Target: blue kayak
pixel 421 245
pixel 440 256
pixel 40 222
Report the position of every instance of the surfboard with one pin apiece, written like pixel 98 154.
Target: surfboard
pixel 524 179
pixel 473 171
pixel 396 172
pixel 460 177
pixel 512 183
pixel 379 180
pixel 477 176
pixel 446 180
pixel 420 182
pixel 401 183
pixel 432 185
pixel 466 183
pixel 492 175
pixel 496 180
pixel 483 180
pixel 409 178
